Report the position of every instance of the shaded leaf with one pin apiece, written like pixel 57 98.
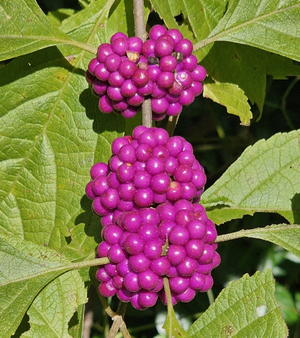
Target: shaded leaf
pixel 230 96
pixel 271 26
pixel 248 68
pixel 246 308
pixel 285 299
pixel 265 178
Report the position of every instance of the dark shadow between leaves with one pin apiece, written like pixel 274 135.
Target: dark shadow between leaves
pixel 23 327
pixel 296 208
pixel 102 122
pixel 91 221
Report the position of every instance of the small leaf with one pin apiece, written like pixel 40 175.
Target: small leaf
pixel 173 327
pixel 285 235
pixel 271 26
pixel 287 304
pixel 265 178
pixel 246 308
pixel 230 96
pixel 248 68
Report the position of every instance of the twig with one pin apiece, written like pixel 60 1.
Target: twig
pixel 139 19
pixel 117 322
pixel 140 32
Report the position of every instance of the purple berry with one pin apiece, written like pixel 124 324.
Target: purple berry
pixel 184 46
pixel 159 105
pixel 147 279
pixel 112 62
pixel 134 244
pixel 156 31
pixel 120 46
pixel 103 51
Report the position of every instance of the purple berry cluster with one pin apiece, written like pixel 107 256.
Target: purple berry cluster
pixel 153 227
pixel 126 71
pixel 145 170
pixel 148 244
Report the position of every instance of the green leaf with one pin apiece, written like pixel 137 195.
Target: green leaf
pixel 248 68
pixel 25 269
pixel 246 308
pixel 230 96
pixel 285 235
pixel 271 26
pixel 200 17
pixel 26 32
pixel 50 139
pixel 52 310
pixel 76 323
pixel 287 304
pixel 58 16
pixel 173 327
pixel 265 178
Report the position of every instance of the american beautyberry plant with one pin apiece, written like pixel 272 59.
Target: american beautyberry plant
pixel 149 169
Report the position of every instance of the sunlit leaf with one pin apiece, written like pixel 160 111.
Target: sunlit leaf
pixel 265 178
pixel 24 28
pixel 246 308
pixel 269 25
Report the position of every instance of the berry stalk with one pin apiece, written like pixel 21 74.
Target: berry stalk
pixel 140 31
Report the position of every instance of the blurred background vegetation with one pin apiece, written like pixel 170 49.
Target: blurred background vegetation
pixel 218 140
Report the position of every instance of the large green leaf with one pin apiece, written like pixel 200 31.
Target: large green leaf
pixel 270 25
pixel 53 308
pixel 284 235
pixel 265 178
pixel 24 28
pixel 25 269
pixel 200 17
pixel 246 308
pixel 52 132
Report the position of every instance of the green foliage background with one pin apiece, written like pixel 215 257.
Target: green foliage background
pixel 245 131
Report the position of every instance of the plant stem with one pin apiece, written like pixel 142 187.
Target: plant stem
pixel 139 19
pixel 168 296
pixel 140 32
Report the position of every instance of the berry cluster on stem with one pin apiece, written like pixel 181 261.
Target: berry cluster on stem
pixel 127 71
pixel 153 226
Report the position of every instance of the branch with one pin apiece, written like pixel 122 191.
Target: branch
pixel 140 32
